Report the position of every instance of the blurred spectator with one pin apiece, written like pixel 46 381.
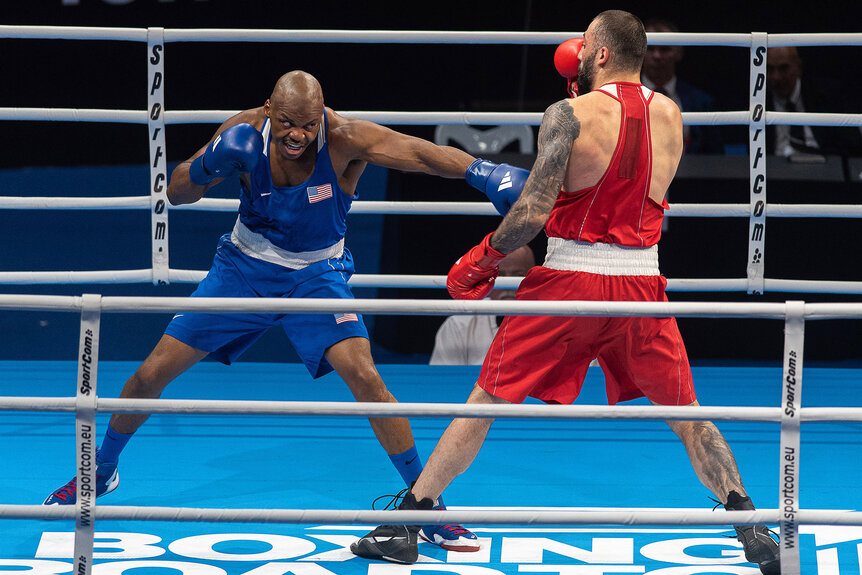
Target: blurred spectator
pixel 465 339
pixel 788 90
pixel 659 74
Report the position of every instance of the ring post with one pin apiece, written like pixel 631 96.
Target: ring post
pixel 789 456
pixel 85 432
pixel 757 164
pixel 158 154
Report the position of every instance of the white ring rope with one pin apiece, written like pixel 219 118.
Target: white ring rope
pixel 74 33
pixel 368 36
pixel 119 304
pixel 360 409
pixel 407 36
pixel 404 306
pixel 667 516
pixel 419 281
pixel 418 118
pixel 815 39
pixel 423 208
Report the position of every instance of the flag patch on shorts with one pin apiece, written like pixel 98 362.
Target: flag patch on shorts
pixel 343 317
pixel 319 193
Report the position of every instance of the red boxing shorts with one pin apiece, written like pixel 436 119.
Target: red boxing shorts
pixel 547 357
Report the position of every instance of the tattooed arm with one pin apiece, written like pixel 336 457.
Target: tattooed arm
pixel 560 128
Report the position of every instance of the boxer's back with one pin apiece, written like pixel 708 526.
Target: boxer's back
pixel 600 117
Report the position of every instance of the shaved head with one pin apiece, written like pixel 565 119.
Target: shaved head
pixel 298 85
pixel 296 110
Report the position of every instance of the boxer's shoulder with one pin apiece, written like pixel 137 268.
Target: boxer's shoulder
pixel 253 116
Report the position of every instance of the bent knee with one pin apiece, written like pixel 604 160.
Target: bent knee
pixel 367 385
pixel 144 383
pixel 149 380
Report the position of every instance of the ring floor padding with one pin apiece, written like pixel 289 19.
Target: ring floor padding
pixel 335 463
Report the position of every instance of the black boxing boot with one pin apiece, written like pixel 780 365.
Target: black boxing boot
pixel 395 543
pixel 760 547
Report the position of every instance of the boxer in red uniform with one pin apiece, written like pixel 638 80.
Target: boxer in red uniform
pixel 605 161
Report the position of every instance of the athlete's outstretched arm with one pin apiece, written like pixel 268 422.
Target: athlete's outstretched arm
pixel 560 128
pixel 375 144
pixel 387 148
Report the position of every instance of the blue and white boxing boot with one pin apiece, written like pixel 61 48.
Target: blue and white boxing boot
pixel 450 537
pixel 107 479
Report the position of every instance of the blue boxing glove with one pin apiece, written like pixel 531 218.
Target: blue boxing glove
pixel 502 183
pixel 237 149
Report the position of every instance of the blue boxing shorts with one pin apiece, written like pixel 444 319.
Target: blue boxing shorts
pixel 233 274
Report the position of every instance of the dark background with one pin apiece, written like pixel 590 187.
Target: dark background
pixel 234 76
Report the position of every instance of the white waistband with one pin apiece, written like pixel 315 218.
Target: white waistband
pixel 598 258
pixel 257 246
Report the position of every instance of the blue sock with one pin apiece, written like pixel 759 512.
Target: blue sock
pixel 112 445
pixel 409 466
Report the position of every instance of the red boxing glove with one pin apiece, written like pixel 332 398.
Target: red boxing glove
pixel 567 58
pixel 473 275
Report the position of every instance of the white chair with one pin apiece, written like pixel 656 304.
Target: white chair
pixel 491 141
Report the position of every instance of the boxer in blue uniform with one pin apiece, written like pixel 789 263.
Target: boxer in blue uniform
pixel 298 163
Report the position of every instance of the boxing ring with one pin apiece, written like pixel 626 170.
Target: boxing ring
pixel 315 504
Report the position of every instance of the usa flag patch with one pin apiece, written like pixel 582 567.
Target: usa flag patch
pixel 319 193
pixel 343 317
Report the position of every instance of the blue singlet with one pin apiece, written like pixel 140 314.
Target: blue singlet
pixel 288 242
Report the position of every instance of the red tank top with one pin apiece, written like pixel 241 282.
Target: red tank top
pixel 618 209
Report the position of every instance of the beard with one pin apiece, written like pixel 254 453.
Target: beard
pixel 586 75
